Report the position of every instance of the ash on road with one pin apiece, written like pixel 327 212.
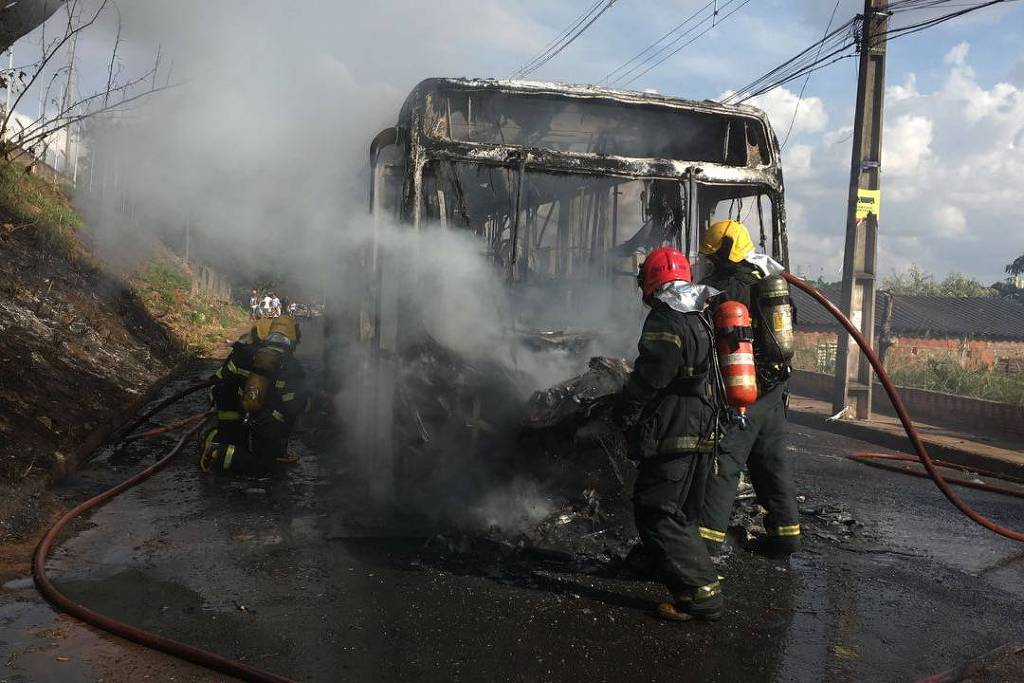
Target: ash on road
pixel 272 573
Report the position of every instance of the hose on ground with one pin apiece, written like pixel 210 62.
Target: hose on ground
pixel 901 412
pixel 173 427
pixel 885 461
pixel 148 639
pixel 174 398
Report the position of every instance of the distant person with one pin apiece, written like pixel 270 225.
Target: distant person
pixel 265 305
pixel 254 305
pixel 293 308
pixel 275 306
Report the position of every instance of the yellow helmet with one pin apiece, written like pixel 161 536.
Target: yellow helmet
pixel 287 326
pixel 284 325
pixel 736 232
pixel 261 329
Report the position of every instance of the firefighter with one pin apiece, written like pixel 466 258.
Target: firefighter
pixel 669 417
pixel 259 393
pixel 760 446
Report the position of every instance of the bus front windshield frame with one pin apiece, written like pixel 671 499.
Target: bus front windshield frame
pixel 543 227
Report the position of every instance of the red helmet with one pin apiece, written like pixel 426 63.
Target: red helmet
pixel 664 264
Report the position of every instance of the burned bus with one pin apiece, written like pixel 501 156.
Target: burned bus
pixel 564 188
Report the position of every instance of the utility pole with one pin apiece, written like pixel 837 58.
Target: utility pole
pixel 69 98
pixel 853 375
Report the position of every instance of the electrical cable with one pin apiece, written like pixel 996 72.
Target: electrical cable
pixel 559 38
pixel 901 412
pixel 800 97
pixel 714 24
pixel 148 639
pixel 653 45
pixel 837 47
pixel 526 70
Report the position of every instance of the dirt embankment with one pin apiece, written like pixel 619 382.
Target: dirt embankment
pixel 77 342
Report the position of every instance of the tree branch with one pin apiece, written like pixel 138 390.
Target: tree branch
pixel 69 33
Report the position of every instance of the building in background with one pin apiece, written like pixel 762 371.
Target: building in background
pixel 55 151
pixel 976 332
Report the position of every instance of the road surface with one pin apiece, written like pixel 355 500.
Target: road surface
pixel 268 571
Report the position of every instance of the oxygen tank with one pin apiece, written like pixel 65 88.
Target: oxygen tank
pixel 774 333
pixel 254 393
pixel 736 354
pixel 266 364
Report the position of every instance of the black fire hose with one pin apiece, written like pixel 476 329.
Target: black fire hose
pixel 163 404
pixel 148 639
pixel 901 411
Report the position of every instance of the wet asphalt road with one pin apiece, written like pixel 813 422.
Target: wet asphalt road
pixel 262 570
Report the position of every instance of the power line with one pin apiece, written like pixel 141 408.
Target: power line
pixel 838 46
pixel 800 97
pixel 660 57
pixel 558 39
pixel 565 39
pixel 653 45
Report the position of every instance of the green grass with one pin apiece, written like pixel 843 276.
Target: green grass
pixel 948 377
pixel 814 357
pixel 28 202
pixel 198 320
pixel 167 280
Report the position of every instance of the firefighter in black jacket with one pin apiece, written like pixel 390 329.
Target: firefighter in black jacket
pixel 668 412
pixel 760 446
pixel 259 394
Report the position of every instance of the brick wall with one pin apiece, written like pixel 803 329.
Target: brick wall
pixel 972 353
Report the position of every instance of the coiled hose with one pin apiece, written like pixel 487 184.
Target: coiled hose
pixel 148 639
pixel 901 412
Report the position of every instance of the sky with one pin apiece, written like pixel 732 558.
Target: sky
pixel 315 81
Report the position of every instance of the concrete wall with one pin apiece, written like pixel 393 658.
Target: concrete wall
pixel 945 410
pixel 208 280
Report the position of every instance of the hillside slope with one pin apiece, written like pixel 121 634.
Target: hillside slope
pixel 76 340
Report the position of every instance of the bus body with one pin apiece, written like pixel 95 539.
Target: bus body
pixel 566 187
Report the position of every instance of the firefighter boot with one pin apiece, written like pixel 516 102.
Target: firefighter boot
pixel 781 541
pixel 702 602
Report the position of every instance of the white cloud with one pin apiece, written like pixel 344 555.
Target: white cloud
pixel 957 56
pixel 780 104
pixel 948 221
pixel 796 160
pixel 907 145
pixel 900 93
pixel 1002 101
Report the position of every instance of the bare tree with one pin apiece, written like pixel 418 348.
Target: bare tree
pixel 115 95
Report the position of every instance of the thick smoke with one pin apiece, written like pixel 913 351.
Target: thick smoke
pixel 261 147
pixel 463 334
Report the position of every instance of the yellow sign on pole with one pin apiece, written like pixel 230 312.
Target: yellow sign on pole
pixel 868 201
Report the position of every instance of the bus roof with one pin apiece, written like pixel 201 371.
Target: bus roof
pixel 586 127
pixel 586 91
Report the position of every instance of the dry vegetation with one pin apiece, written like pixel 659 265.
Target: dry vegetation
pixel 937 373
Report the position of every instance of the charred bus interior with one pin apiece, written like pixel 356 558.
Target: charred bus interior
pixel 564 189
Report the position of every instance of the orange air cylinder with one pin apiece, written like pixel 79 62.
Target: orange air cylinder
pixel 736 354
